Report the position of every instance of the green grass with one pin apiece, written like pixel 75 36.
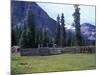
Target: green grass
pixel 62 62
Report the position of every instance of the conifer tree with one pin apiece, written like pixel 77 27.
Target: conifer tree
pixel 17 33
pixel 46 37
pixel 57 37
pixel 28 34
pixel 13 37
pixel 69 38
pixel 63 31
pixel 39 37
pixel 77 25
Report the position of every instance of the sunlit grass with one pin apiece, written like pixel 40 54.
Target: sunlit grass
pixel 62 62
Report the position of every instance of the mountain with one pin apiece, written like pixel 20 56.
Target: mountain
pixel 88 31
pixel 88 26
pixel 42 19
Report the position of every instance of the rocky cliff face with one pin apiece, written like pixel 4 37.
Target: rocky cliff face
pixel 88 31
pixel 19 11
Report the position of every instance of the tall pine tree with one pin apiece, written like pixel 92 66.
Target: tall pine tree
pixel 18 32
pixel 46 37
pixel 57 37
pixel 63 31
pixel 28 35
pixel 39 37
pixel 13 37
pixel 76 15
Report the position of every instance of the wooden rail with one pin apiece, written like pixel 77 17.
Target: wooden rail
pixel 53 51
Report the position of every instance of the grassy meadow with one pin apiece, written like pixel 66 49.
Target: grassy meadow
pixel 52 63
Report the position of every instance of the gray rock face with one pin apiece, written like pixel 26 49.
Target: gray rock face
pixel 88 31
pixel 19 11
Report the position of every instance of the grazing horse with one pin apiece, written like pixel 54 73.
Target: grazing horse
pixel 89 50
pixel 86 50
pixel 82 50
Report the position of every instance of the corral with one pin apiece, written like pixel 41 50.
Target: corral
pixel 54 51
pixel 79 49
pixel 39 51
